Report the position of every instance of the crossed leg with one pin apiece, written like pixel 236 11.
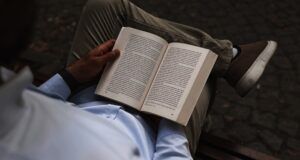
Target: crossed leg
pixel 102 20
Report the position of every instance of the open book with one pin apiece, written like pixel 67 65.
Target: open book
pixel 154 76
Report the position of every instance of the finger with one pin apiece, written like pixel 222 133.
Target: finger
pixel 110 56
pixel 104 48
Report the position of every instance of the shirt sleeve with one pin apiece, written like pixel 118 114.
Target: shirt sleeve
pixel 171 142
pixel 56 86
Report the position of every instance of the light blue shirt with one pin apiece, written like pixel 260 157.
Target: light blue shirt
pixel 41 124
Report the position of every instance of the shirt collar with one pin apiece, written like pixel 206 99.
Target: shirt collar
pixel 11 97
pixel 14 84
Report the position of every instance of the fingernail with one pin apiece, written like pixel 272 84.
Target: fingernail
pixel 116 51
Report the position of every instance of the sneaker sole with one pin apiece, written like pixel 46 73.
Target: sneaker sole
pixel 256 70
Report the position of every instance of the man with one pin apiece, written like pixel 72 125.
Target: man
pixel 41 123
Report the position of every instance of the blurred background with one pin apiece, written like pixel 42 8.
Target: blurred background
pixel 268 119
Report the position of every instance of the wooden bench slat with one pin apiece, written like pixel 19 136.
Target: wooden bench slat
pixel 232 148
pixel 214 153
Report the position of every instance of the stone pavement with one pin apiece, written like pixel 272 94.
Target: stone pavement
pixel 268 119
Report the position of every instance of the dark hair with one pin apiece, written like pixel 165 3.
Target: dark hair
pixel 17 20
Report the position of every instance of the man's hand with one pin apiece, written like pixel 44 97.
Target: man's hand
pixel 91 65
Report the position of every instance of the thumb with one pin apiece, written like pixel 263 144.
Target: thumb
pixel 110 56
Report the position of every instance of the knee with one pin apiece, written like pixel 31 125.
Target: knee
pixel 100 4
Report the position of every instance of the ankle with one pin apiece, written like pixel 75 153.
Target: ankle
pixel 236 50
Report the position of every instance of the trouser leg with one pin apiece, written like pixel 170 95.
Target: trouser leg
pixel 102 20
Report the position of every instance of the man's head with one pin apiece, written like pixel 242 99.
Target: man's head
pixel 17 19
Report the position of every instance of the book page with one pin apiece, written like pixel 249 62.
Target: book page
pixel 128 79
pixel 173 82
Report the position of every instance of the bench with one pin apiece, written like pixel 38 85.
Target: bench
pixel 215 148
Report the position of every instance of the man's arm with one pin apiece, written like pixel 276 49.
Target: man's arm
pixel 57 86
pixel 171 142
pixel 81 71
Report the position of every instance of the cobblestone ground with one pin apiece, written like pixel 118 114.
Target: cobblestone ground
pixel 268 119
